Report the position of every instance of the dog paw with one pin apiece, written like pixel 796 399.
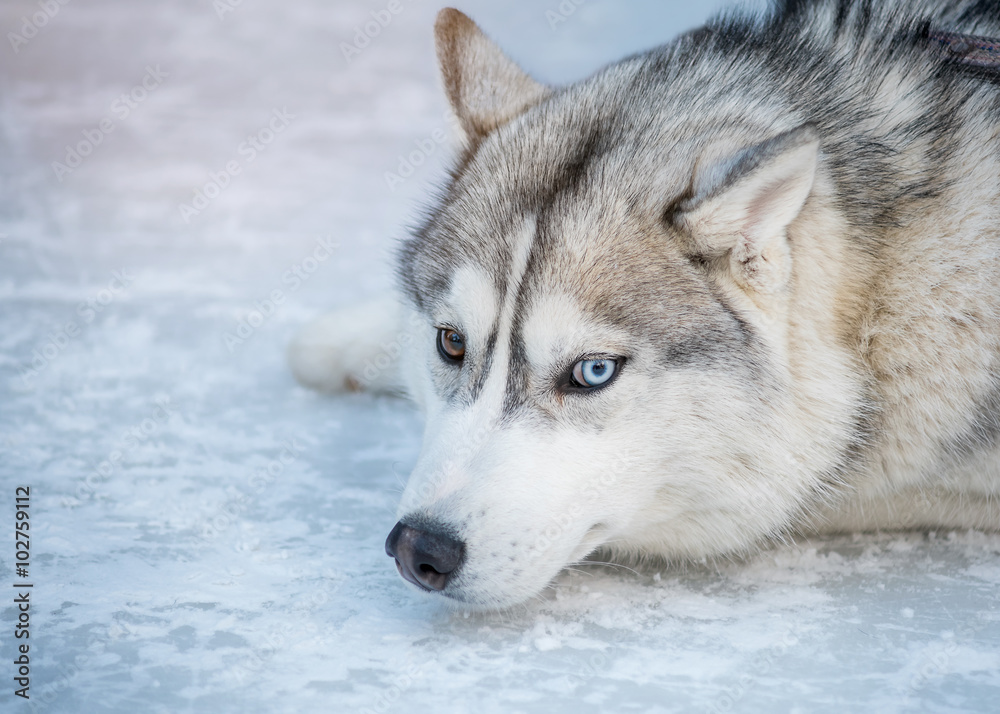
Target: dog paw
pixel 346 350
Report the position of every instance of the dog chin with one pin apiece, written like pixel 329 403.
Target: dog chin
pixel 489 599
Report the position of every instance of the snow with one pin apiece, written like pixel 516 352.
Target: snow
pixel 208 537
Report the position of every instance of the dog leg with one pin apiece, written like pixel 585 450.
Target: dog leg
pixel 353 349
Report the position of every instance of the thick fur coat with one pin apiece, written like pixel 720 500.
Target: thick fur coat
pixel 780 234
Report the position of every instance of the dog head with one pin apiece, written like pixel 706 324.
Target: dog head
pixel 600 324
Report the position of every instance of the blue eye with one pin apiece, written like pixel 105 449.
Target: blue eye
pixel 590 373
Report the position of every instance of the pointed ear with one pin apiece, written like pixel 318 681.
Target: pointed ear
pixel 485 88
pixel 743 206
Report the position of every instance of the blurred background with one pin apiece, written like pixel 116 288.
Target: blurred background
pixel 182 185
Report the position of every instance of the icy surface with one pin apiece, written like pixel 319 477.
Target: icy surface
pixel 174 573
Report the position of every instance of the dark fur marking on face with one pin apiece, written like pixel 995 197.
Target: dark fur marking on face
pixel 573 170
pixel 516 393
pixel 419 258
pixel 417 268
pixel 572 173
pixel 745 350
pixel 478 380
pixel 406 253
pixel 700 351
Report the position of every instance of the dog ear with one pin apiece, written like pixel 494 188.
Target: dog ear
pixel 743 206
pixel 486 89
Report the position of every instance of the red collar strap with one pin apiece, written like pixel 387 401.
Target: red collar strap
pixel 969 49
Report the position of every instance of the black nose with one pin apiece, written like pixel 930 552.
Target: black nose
pixel 426 558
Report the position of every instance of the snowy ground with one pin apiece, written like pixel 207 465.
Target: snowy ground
pixel 172 573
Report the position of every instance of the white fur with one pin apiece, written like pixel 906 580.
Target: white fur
pixel 689 460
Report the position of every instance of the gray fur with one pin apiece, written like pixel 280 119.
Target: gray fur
pixel 794 222
pixel 658 108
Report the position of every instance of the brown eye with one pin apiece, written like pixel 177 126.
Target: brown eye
pixel 451 345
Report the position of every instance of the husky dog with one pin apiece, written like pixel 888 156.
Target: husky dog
pixel 741 286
